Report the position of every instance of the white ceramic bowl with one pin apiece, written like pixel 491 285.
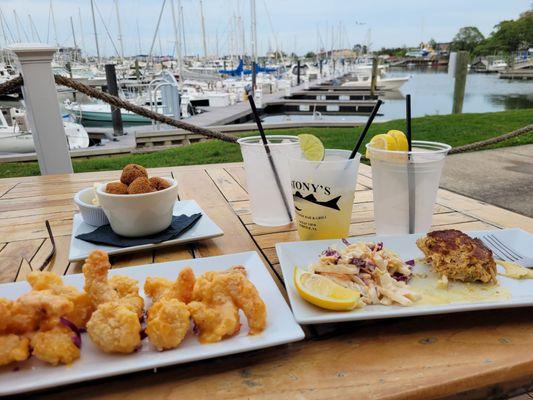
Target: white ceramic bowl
pixel 135 215
pixel 91 214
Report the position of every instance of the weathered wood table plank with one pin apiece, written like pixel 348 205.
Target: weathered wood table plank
pixel 479 355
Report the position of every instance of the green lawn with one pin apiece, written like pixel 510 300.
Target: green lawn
pixel 455 130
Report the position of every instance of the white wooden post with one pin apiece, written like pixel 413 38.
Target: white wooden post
pixel 42 107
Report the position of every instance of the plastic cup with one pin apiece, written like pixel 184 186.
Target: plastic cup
pixel 323 193
pixel 266 201
pixel 400 178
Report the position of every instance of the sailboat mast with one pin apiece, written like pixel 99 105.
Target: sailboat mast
pixel 182 18
pixel 138 37
pixel 178 42
pixel 95 33
pixel 81 31
pixel 73 34
pixel 54 23
pixel 254 31
pixel 119 32
pixel 204 39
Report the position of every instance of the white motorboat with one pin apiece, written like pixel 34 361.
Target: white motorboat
pixel 497 66
pixel 382 83
pixel 17 138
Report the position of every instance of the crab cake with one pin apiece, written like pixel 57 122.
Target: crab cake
pixel 458 256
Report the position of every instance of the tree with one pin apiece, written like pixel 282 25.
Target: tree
pixel 310 55
pixel 467 39
pixel 509 36
pixel 433 43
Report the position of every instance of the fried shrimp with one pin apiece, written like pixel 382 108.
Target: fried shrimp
pixel 128 291
pixel 115 328
pixel 95 271
pixel 167 323
pixel 13 348
pixel 55 346
pixel 217 298
pixel 83 308
pixel 168 318
pixel 162 288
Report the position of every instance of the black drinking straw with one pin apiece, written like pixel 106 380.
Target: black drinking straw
pixel 410 166
pixel 267 149
pixel 365 130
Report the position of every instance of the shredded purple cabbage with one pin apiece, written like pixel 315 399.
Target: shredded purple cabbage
pixel 401 278
pixel 142 318
pixel 143 334
pixel 358 262
pixel 329 252
pixel 72 326
pixel 346 243
pixel 195 329
pixel 16 368
pixel 379 246
pixel 410 263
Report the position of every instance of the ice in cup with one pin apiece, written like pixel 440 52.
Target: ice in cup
pixel 403 177
pixel 323 193
pixel 266 201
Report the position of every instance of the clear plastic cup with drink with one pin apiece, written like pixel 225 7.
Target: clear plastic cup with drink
pixel 267 204
pixel 405 186
pixel 323 193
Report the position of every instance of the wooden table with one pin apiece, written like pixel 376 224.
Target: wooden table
pixel 479 355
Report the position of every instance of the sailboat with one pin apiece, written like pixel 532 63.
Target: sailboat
pixel 17 138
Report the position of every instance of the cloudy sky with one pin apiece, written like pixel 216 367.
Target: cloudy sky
pixel 295 25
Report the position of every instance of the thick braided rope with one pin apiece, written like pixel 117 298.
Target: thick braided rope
pixel 493 140
pixel 10 86
pixel 119 103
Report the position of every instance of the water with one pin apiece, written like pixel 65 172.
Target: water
pixel 431 90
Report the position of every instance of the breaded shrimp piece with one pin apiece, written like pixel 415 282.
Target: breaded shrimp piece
pixel 14 318
pixel 156 287
pixel 128 291
pixel 245 296
pixel 131 172
pixel 45 304
pixel 183 287
pixel 13 348
pixel 217 298
pixel 213 310
pixel 215 319
pixel 95 270
pixel 167 323
pixel 162 288
pixel 115 328
pixel 83 308
pixel 55 346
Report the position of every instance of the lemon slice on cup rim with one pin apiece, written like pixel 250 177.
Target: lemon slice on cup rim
pixel 312 147
pixel 382 141
pixel 324 293
pixel 401 139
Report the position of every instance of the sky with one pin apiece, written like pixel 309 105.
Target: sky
pixel 290 25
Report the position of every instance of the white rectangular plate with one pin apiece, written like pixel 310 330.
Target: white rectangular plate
pixel 281 328
pixel 205 228
pixel 302 254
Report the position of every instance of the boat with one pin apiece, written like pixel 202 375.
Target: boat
pixel 497 66
pixel 17 138
pixel 382 83
pixel 100 112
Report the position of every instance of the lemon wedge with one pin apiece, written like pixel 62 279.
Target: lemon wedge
pixel 312 147
pixel 401 139
pixel 324 293
pixel 383 141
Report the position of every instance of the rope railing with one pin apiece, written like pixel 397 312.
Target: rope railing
pixel 13 84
